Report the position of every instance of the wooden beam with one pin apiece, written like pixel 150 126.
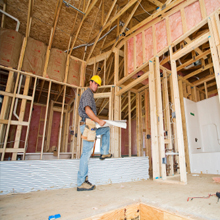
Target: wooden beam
pixel 10 117
pixel 189 47
pixel 188 41
pixel 179 131
pixel 80 25
pixel 194 60
pixel 185 137
pixel 124 79
pixel 156 2
pixel 3 16
pixel 208 85
pixel 125 8
pixel 205 79
pixel 61 124
pixel 97 38
pixel 166 108
pixel 125 26
pixel 153 119
pixel 129 123
pixel 134 83
pixel 138 134
pixel 160 120
pixel 215 56
pixel 45 122
pixel 200 70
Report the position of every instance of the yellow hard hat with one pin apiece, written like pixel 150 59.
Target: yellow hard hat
pixel 97 79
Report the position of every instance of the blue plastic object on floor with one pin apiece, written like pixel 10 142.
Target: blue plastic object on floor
pixel 51 217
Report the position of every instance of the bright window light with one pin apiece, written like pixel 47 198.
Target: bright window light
pixel 98 144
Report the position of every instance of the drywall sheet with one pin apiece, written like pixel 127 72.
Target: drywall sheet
pixel 74 72
pixel 161 35
pixel 10 47
pixel 34 57
pixel 57 65
pixel 139 50
pixel 130 46
pixel 33 175
pixel 176 26
pixel 211 5
pixel 193 15
pixel 149 48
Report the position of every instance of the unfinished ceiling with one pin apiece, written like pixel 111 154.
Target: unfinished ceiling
pixel 68 21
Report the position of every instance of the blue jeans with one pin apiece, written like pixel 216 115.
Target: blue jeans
pixel 87 151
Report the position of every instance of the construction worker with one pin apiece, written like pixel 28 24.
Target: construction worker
pixel 88 114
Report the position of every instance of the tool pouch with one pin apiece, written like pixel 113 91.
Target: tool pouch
pixel 89 133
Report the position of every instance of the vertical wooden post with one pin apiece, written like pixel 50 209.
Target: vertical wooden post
pixel 138 123
pixel 195 94
pixel 74 123
pixel 153 118
pixel 167 120
pixel 5 104
pixel 61 122
pixel 29 118
pixel 104 79
pixel 182 164
pixel 21 117
pixel 49 128
pixel 206 91
pixel 174 137
pixel 9 118
pixel 160 119
pixel 77 129
pixel 117 111
pixel 129 122
pixel 45 120
pixel 148 151
pixel 215 58
pixel 3 15
pixel 198 95
pixel 184 127
pixel 67 124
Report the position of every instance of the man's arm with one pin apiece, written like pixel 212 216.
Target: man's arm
pixel 92 116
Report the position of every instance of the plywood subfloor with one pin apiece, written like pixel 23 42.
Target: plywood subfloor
pixel 79 205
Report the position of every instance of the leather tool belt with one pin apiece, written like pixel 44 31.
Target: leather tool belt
pixel 89 133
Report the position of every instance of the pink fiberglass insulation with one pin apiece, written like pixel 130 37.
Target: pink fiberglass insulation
pixel 176 27
pixel 149 49
pixel 33 131
pixel 55 129
pixel 130 44
pixel 139 50
pixel 211 5
pixel 193 15
pixel 161 35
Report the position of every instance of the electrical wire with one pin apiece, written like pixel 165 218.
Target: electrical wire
pixel 144 9
pixel 204 197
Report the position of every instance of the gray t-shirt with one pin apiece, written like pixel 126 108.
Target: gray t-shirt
pixel 87 99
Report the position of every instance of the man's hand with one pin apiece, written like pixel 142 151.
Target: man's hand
pixel 92 116
pixel 101 123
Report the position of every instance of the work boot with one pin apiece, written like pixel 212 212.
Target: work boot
pixel 103 156
pixel 86 186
